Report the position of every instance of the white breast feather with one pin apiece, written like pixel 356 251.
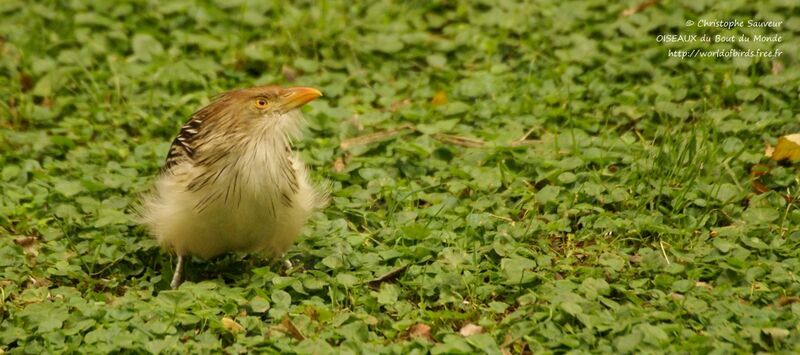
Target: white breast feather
pixel 246 212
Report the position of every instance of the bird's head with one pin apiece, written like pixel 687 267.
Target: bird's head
pixel 269 102
pixel 257 111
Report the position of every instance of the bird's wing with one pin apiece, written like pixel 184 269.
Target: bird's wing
pixel 183 147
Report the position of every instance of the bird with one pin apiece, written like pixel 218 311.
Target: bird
pixel 231 181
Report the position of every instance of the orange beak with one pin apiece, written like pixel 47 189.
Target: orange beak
pixel 298 96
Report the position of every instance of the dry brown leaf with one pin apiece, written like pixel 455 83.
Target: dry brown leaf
pixel 47 102
pixel 25 82
pixel 375 137
pixel 459 140
pixel 703 285
pixel 28 245
pixel 769 150
pixel 371 320
pixel 777 67
pixel 356 123
pixel 338 165
pixel 289 73
pixel 399 104
pixel 420 330
pixel 291 329
pixel 389 276
pixel 470 329
pixel 508 341
pixel 787 300
pixel 756 171
pixel 638 8
pixel 231 325
pixel 521 141
pixel 36 282
pixel 526 143
pixel 758 187
pixel 788 147
pixel 759 170
pixel 439 98
pixel 25 242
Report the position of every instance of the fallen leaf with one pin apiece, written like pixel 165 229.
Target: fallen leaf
pixel 777 67
pixel 420 330
pixel 354 120
pixel 638 8
pixel 25 242
pixel 759 170
pixel 756 171
pixel 470 329
pixel 25 82
pixel 338 165
pixel 459 140
pixel 375 137
pixel 389 276
pixel 769 150
pixel 28 245
pixel 311 312
pixel 231 325
pixel 784 300
pixel 36 282
pixel 289 73
pixel 439 98
pixel 524 139
pixel 759 188
pixel 703 285
pixel 788 147
pixel 291 329
pixel 777 333
pixel 399 104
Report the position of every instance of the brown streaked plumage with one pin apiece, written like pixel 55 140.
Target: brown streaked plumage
pixel 231 181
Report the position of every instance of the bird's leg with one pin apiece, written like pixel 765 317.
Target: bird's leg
pixel 176 277
pixel 287 263
pixel 275 261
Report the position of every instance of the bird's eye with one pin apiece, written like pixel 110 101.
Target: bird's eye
pixel 261 103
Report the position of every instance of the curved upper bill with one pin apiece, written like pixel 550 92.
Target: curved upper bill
pixel 298 96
